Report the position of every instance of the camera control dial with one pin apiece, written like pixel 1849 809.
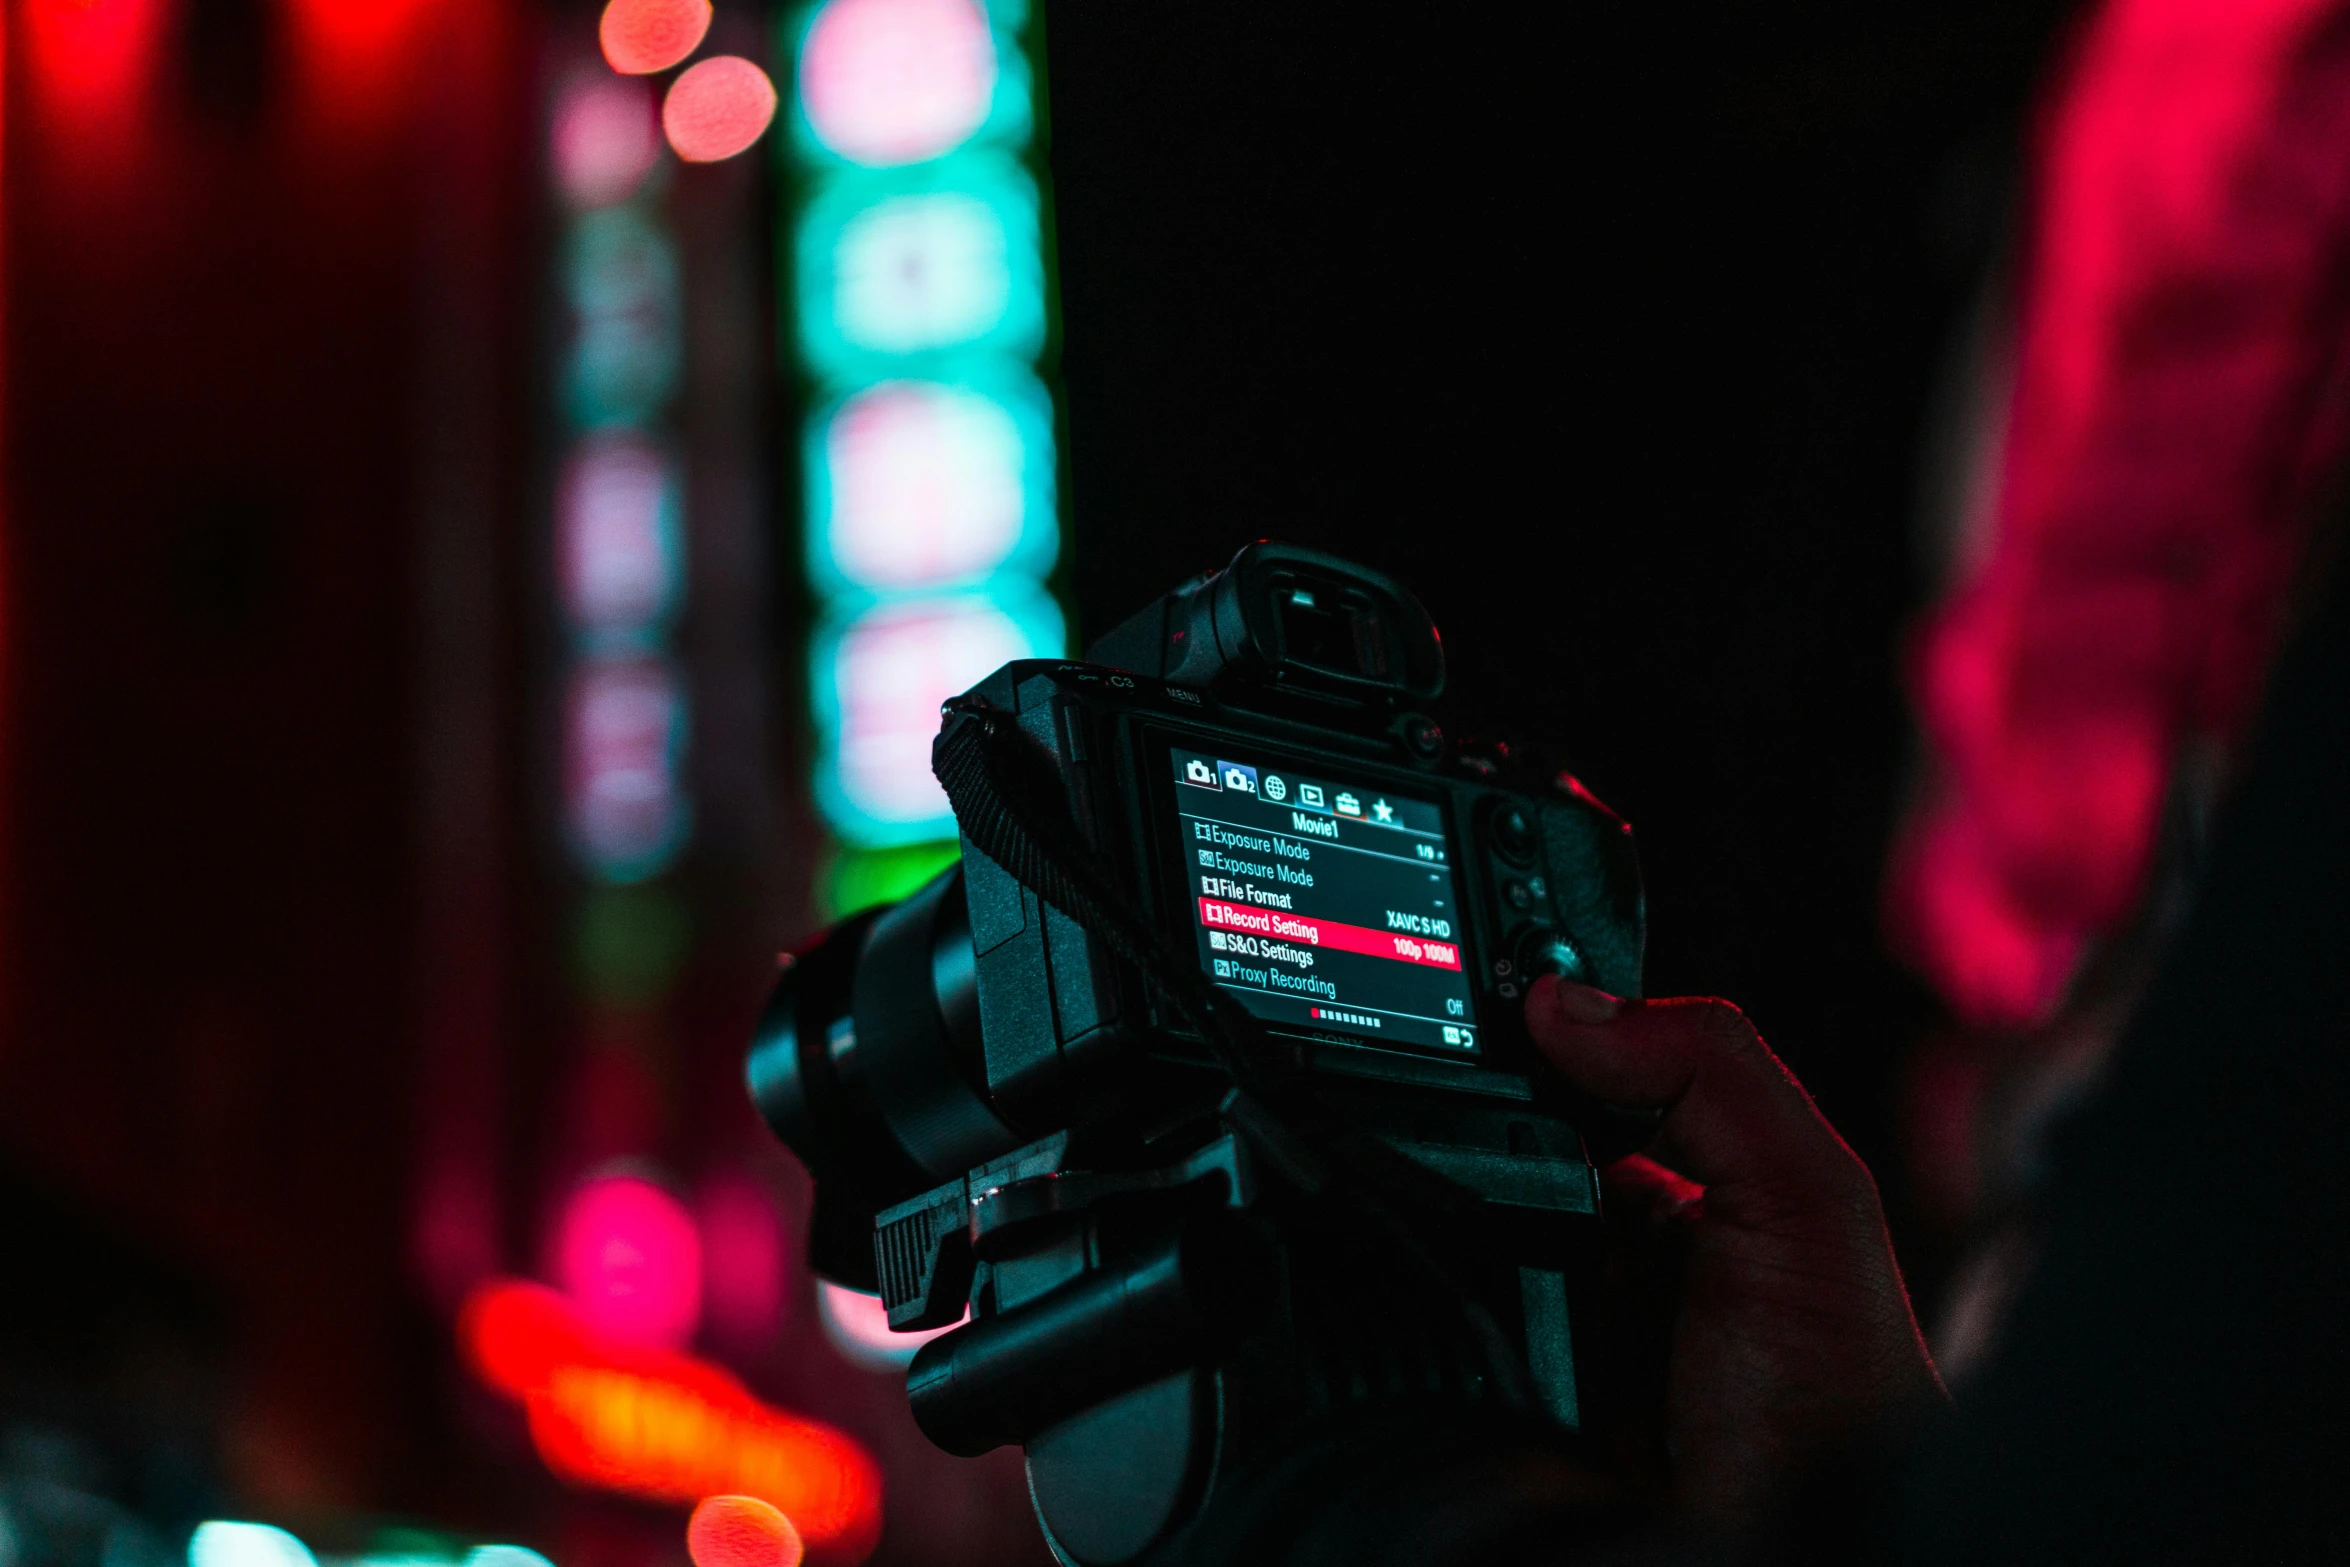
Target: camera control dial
pixel 1542 951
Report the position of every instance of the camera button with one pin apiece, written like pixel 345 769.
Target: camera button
pixel 1519 896
pixel 1513 834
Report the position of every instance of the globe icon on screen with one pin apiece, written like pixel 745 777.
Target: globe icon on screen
pixel 1276 788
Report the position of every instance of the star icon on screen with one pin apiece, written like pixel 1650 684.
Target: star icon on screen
pixel 1382 811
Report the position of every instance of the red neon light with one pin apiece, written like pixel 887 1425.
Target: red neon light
pixel 93 62
pixel 741 1531
pixel 604 140
pixel 644 36
pixel 717 108
pixel 664 1426
pixel 355 53
pixel 1277 926
pixel 2177 411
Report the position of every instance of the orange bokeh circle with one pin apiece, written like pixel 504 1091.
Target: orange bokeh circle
pixel 643 36
pixel 741 1531
pixel 717 108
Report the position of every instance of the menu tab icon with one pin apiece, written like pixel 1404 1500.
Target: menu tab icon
pixel 1310 794
pixel 1348 805
pixel 1199 772
pixel 1238 777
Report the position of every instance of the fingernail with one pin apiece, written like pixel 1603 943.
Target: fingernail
pixel 1582 1004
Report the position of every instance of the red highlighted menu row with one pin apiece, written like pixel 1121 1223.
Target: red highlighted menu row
pixel 1328 934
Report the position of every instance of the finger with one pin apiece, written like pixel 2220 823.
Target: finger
pixel 1640 1188
pixel 1732 1111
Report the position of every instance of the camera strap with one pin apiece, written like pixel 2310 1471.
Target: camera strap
pixel 1013 807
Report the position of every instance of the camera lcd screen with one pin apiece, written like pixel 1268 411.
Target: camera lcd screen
pixel 1325 903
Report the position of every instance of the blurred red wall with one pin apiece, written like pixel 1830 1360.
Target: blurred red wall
pixel 265 335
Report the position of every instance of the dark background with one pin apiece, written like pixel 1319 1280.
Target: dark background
pixel 1615 334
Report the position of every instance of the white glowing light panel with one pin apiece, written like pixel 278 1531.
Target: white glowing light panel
pixel 918 286
pixel 888 668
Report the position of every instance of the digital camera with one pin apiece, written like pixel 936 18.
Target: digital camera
pixel 1199 1087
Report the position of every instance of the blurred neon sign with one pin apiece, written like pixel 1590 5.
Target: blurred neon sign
pixel 918 286
pixel 665 1426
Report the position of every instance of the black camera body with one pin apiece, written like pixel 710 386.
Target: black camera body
pixel 1007 1117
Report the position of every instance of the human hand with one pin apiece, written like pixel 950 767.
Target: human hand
pixel 1793 1333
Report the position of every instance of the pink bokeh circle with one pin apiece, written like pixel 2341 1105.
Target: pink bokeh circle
pixel 630 1257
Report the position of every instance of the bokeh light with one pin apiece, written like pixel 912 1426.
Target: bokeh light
pixel 741 1531
pixel 619 540
pixel 744 1260
pixel 515 1334
pixel 630 1257
pixel 924 485
pixel 718 107
pixel 643 36
pixel 665 1426
pixel 897 81
pixel 858 1326
pixel 623 282
pixel 624 743
pixel 605 139
pixel 94 63
pixel 878 686
pixel 224 1544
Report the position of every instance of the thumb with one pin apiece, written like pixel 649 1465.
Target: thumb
pixel 1733 1112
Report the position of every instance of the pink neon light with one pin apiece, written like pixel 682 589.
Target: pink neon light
pixel 604 140
pixel 858 1325
pixel 893 669
pixel 630 1257
pixel 1277 926
pixel 618 558
pixel 896 81
pixel 926 486
pixel 620 766
pixel 744 1261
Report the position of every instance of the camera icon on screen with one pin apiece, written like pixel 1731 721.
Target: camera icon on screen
pixel 1236 776
pixel 1198 772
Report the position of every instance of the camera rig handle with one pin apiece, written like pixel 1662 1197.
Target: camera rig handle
pixel 926 1250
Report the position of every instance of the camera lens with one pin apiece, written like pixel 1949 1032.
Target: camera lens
pixel 867 1064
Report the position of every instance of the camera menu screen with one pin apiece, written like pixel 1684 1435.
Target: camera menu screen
pixel 1322 902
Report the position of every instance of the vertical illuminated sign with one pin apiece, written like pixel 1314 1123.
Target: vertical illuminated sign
pixel 919 325
pixel 619 526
